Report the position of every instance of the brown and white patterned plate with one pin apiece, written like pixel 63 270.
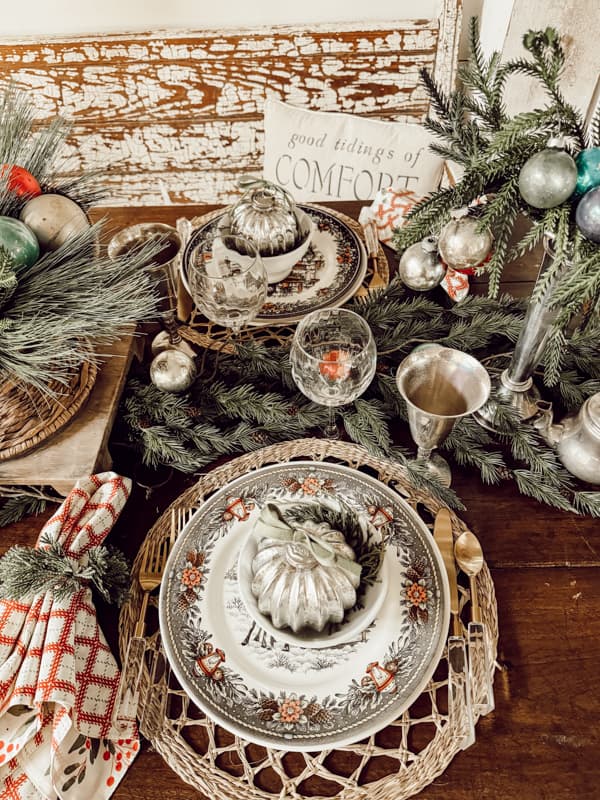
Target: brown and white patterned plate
pixel 278 694
pixel 326 277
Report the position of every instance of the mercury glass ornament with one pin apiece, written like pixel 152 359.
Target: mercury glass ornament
pixel 461 244
pixel 549 177
pixel 19 241
pixel 588 170
pixel 587 215
pixel 172 371
pixel 54 219
pixel 420 267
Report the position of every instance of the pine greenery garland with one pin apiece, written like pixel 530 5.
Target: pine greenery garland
pixel 254 401
pixel 474 130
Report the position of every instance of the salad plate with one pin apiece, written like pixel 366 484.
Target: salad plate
pixel 328 275
pixel 277 693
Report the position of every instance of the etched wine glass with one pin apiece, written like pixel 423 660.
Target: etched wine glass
pixel 333 358
pixel 228 280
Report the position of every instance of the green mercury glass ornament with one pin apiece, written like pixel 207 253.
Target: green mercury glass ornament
pixel 19 241
pixel 588 170
pixel 548 178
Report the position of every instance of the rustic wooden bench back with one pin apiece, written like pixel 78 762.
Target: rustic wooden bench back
pixel 179 115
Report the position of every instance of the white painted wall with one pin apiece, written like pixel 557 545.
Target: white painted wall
pixel 51 17
pixel 38 18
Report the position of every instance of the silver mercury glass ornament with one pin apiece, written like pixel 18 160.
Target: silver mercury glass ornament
pixel 420 267
pixel 172 371
pixel 549 177
pixel 461 244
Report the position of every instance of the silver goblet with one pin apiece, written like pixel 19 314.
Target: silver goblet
pixel 439 385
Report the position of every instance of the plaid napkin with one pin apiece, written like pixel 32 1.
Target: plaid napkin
pixel 58 677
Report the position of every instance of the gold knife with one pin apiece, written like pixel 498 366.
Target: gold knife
pixel 442 534
pixel 459 684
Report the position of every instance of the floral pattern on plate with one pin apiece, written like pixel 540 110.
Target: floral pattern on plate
pixel 276 693
pixel 327 276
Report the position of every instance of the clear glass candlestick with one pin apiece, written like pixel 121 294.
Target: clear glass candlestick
pixel 333 358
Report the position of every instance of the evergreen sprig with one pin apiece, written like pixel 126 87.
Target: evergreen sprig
pixel 472 128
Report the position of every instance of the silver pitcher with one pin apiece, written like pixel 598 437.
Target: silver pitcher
pixel 576 439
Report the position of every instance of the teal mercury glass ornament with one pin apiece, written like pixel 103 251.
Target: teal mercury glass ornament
pixel 19 241
pixel 588 170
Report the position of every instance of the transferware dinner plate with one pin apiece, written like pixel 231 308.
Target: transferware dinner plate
pixel 327 276
pixel 281 695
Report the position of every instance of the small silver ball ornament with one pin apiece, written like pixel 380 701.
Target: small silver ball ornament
pixel 587 215
pixel 172 371
pixel 54 219
pixel 461 245
pixel 549 177
pixel 420 267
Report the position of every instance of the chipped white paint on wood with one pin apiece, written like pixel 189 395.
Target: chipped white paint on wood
pixel 182 112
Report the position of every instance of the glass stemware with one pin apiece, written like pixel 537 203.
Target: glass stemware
pixel 228 280
pixel 333 358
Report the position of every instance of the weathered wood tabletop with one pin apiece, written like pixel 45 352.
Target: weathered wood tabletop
pixel 542 741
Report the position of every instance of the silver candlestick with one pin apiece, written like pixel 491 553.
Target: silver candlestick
pixel 515 387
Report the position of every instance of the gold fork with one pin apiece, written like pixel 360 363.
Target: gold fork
pixel 150 576
pixel 156 707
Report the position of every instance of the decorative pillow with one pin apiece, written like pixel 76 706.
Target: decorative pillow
pixel 321 155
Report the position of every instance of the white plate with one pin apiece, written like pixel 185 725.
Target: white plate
pixel 277 694
pixel 327 276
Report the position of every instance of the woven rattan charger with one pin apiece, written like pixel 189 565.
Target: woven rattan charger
pixel 203 333
pixel 29 417
pixel 417 747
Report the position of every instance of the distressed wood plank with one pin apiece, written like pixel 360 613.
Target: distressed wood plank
pixel 179 114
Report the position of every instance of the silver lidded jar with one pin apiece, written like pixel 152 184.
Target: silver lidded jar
pixel 267 215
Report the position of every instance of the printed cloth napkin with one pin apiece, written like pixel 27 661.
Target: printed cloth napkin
pixel 58 677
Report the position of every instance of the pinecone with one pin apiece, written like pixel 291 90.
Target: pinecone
pixel 260 437
pixel 193 412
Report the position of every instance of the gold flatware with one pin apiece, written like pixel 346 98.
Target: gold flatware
pixel 150 575
pixel 156 707
pixel 469 557
pixel 459 696
pixel 377 282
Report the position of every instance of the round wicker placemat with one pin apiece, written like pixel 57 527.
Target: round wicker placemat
pixel 393 764
pixel 30 417
pixel 202 332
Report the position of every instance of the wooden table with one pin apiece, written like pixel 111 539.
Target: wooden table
pixel 543 740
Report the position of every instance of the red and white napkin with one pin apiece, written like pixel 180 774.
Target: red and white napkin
pixel 58 677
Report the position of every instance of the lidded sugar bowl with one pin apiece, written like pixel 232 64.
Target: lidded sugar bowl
pixel 305 575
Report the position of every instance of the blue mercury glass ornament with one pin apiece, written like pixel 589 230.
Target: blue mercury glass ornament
pixel 588 170
pixel 587 215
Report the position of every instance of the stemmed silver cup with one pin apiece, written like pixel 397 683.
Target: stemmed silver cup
pixel 439 385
